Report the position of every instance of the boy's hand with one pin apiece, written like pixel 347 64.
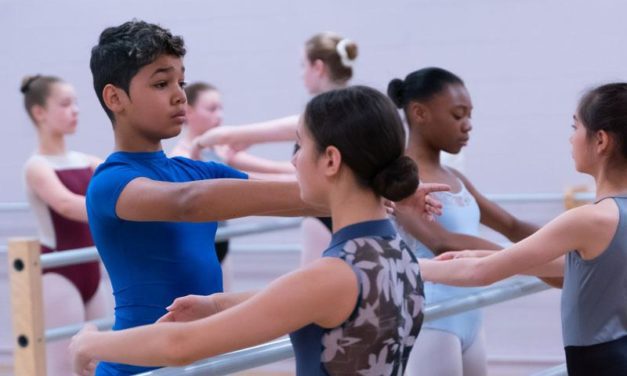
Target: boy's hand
pixel 190 308
pixel 423 202
pixel 82 364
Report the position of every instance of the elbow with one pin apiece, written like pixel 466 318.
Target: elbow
pixel 438 245
pixel 70 211
pixel 187 204
pixel 514 230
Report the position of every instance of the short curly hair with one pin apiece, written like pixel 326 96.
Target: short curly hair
pixel 123 50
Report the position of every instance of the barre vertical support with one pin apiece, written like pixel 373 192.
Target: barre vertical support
pixel 27 307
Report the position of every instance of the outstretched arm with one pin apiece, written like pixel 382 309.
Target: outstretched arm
pixel 551 273
pixel 209 200
pixel 283 129
pixel 567 232
pixel 248 162
pixel 500 220
pixel 220 199
pixel 324 293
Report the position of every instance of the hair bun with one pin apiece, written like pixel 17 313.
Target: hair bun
pixel 347 51
pixel 398 180
pixel 27 81
pixel 396 89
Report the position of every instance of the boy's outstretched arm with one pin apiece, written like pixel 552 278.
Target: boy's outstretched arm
pixel 219 199
pixel 209 200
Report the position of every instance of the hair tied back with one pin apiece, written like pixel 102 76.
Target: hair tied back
pixel 27 82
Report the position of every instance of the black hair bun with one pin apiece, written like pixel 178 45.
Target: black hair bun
pixel 396 89
pixel 398 180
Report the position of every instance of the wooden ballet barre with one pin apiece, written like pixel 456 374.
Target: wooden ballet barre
pixel 27 307
pixel 576 196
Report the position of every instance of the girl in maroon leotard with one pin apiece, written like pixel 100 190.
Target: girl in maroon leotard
pixel 56 183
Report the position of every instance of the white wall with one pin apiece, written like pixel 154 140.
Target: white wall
pixel 525 63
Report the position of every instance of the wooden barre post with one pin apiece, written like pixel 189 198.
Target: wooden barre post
pixel 27 307
pixel 569 197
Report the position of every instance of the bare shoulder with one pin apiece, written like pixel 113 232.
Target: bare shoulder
pixel 336 284
pixel 330 269
pixel 604 213
pixel 36 167
pixel 593 224
pixel 596 225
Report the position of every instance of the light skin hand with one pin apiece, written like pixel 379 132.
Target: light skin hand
pixel 190 308
pixel 195 307
pixel 82 364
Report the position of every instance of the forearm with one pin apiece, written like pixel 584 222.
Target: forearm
pixel 458 242
pixel 439 240
pixel 150 345
pixel 521 230
pixel 282 129
pixel 73 208
pixel 456 272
